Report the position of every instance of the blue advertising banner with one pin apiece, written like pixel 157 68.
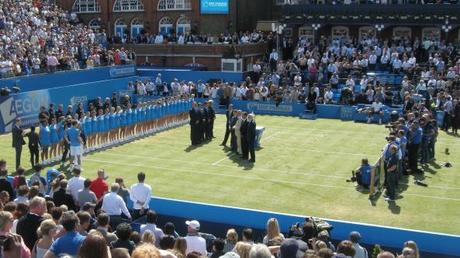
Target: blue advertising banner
pixel 122 71
pixel 269 108
pixel 60 79
pixel 214 6
pixel 346 113
pixel 27 105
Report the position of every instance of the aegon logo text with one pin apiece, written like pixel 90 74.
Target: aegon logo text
pixel 28 104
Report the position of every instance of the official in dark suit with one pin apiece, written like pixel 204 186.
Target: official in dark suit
pixel 204 122
pixel 251 137
pixel 18 140
pixel 244 139
pixel 233 139
pixel 34 146
pixel 194 123
pixel 211 118
pixel 28 225
pixel 228 128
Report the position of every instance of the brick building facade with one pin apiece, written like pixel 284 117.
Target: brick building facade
pixel 154 16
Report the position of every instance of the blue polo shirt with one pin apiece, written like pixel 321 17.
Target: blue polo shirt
pixel 416 137
pixel 366 174
pixel 67 244
pixel 74 136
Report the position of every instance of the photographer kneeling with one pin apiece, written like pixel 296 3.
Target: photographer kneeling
pixel 363 174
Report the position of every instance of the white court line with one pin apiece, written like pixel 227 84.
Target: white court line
pixel 294 148
pixel 256 178
pixel 271 136
pixel 287 172
pixel 220 160
pixel 295 172
pixel 233 154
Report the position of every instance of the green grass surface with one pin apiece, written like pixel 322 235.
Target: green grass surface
pixel 301 169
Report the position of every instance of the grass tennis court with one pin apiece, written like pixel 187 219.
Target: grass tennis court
pixel 302 168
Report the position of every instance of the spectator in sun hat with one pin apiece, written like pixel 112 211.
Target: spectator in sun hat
pixel 360 252
pixel 195 243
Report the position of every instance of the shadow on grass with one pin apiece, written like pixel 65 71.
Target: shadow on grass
pixel 236 158
pixel 394 208
pixel 427 168
pixel 194 147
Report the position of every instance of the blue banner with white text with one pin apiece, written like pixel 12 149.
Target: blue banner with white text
pixel 27 105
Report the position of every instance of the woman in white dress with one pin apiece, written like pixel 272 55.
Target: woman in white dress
pixel 237 127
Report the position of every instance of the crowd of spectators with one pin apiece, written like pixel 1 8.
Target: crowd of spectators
pixel 87 218
pixel 349 72
pixel 37 37
pixel 190 38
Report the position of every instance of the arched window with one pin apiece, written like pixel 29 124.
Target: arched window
pixel 86 6
pixel 136 28
pixel 182 25
pixel 95 24
pixel 128 6
pixel 165 25
pixel 120 28
pixel 174 5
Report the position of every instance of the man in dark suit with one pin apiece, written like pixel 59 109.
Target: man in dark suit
pixel 34 146
pixel 61 196
pixel 204 122
pixel 244 139
pixel 233 139
pixel 194 123
pixel 251 137
pixel 28 225
pixel 228 128
pixel 212 117
pixel 18 140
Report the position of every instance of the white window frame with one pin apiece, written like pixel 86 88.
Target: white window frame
pixel 174 5
pixel 138 24
pixel 184 23
pixel 120 24
pixel 82 6
pixel 128 6
pixel 169 26
pixel 94 27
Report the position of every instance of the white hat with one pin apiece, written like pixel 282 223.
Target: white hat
pixel 230 255
pixel 194 224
